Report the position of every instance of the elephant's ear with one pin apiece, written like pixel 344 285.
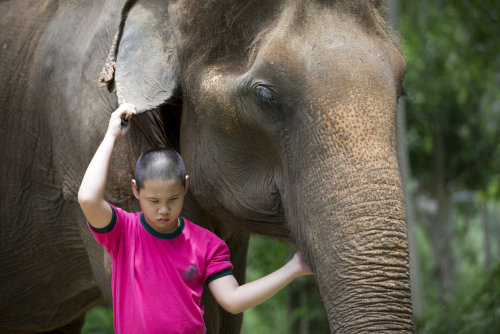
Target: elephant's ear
pixel 146 72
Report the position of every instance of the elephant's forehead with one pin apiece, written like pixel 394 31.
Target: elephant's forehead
pixel 335 56
pixel 329 42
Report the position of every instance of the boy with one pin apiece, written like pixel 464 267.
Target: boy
pixel 159 259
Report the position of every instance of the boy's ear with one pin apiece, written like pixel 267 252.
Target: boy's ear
pixel 134 189
pixel 186 184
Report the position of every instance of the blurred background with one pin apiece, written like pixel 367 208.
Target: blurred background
pixel 449 142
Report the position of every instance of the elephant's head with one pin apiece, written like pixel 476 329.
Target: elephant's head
pixel 288 129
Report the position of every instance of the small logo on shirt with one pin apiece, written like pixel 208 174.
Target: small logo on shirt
pixel 190 274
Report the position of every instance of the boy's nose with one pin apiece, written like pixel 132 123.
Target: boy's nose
pixel 164 210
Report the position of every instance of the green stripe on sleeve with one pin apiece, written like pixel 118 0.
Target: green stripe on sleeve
pixel 108 227
pixel 220 274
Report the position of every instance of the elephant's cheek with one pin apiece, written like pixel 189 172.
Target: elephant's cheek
pixel 216 109
pixel 209 122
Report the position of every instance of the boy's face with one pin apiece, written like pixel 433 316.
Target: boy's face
pixel 161 202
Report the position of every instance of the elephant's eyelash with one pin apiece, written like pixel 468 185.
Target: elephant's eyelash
pixel 264 94
pixel 403 92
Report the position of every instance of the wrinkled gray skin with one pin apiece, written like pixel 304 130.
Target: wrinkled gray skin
pixel 285 115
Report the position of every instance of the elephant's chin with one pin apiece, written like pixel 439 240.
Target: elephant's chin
pixel 253 213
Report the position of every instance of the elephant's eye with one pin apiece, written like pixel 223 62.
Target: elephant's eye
pixel 264 94
pixel 403 92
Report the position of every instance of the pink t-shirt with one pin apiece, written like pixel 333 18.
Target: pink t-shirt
pixel 158 278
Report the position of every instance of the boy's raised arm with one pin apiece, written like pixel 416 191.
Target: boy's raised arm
pixel 236 299
pixel 91 192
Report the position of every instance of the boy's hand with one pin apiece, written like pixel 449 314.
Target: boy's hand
pixel 115 127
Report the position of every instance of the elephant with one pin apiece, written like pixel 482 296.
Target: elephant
pixel 284 112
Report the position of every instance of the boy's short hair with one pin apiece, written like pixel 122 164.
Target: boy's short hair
pixel 164 163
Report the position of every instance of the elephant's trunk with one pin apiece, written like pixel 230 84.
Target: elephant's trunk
pixel 346 211
pixel 355 238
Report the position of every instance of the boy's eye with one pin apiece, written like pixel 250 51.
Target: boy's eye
pixel 153 201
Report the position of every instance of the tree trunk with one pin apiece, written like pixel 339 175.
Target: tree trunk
pixel 435 214
pixel 298 301
pixel 303 321
pixel 443 229
pixel 486 233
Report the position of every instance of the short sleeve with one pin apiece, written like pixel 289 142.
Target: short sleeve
pixel 110 235
pixel 219 263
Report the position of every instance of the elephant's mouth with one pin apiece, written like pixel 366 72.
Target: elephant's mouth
pixel 170 115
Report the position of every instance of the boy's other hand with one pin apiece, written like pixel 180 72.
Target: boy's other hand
pixel 300 265
pixel 116 128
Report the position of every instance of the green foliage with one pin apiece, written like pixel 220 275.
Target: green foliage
pixel 493 188
pixel 99 320
pixel 477 311
pixel 475 307
pixel 453 79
